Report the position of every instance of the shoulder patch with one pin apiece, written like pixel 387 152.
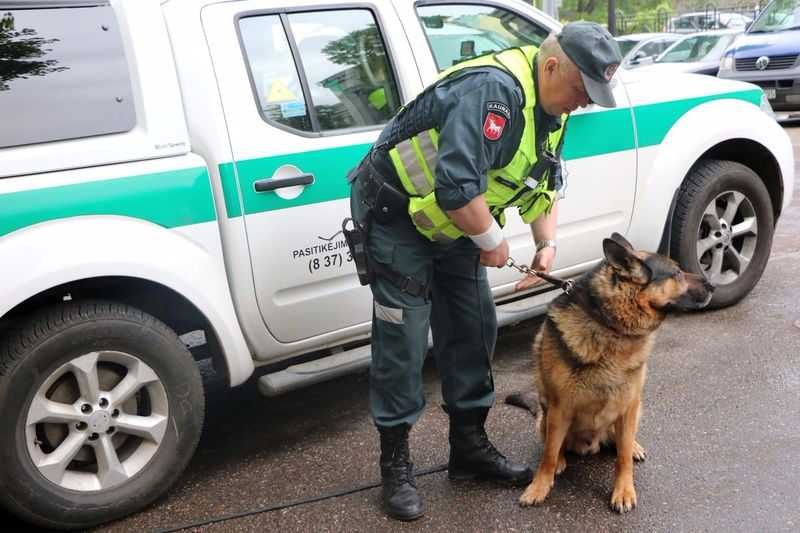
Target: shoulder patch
pixel 497 116
pixel 493 126
pixel 499 108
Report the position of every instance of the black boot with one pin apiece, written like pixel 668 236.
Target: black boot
pixel 400 497
pixel 472 456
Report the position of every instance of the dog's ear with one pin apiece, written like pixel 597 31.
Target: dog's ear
pixel 625 263
pixel 622 241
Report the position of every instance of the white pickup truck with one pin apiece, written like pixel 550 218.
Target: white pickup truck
pixel 175 170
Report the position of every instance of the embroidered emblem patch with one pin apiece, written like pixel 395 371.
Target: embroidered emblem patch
pixel 610 70
pixel 493 126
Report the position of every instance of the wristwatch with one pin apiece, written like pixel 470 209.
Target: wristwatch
pixel 545 243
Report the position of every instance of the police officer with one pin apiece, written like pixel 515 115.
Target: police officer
pixel 430 195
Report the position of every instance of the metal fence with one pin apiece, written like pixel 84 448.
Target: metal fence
pixel 710 18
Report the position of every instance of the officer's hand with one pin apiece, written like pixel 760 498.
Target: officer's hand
pixel 496 257
pixel 542 262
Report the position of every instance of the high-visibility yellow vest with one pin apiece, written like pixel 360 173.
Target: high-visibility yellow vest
pixel 414 159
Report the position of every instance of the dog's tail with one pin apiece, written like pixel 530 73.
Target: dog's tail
pixel 527 400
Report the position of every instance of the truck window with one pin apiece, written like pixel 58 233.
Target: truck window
pixel 330 71
pixel 459 32
pixel 63 74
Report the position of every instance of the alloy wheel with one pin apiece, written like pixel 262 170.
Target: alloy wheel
pixel 96 421
pixel 727 237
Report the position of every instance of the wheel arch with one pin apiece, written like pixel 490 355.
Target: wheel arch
pixel 754 140
pixel 109 256
pixel 156 299
pixel 747 152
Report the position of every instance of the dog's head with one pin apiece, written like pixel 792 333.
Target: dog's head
pixel 657 281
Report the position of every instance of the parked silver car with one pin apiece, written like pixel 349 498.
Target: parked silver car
pixel 709 20
pixel 699 53
pixel 638 47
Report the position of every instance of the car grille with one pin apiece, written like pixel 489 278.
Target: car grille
pixel 775 63
pixel 773 84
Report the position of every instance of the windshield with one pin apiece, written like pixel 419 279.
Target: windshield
pixel 453 43
pixel 779 15
pixel 697 48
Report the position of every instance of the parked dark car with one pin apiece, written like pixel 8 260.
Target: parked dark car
pixel 767 55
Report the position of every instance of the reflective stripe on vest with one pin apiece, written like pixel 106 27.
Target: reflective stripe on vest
pixel 415 158
pixel 415 161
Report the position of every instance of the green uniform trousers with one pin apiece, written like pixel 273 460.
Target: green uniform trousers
pixel 459 310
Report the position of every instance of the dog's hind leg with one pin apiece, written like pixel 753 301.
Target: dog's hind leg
pixel 638 450
pixel 556 426
pixel 562 459
pixel 639 453
pixel 541 416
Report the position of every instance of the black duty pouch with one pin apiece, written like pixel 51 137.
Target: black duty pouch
pixel 389 203
pixel 356 239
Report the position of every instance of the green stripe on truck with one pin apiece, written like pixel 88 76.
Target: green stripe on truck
pixel 170 199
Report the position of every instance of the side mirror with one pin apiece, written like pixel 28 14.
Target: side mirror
pixel 637 57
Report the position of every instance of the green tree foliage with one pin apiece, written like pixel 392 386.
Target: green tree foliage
pixel 632 15
pixel 22 52
pixel 356 47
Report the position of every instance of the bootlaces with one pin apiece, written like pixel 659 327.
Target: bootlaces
pixel 487 446
pixel 403 467
pixel 403 475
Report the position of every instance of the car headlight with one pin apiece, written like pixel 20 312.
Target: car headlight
pixel 765 105
pixel 726 63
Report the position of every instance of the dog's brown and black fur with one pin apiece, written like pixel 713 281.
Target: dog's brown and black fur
pixel 590 360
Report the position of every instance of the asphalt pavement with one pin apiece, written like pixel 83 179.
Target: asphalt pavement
pixel 721 426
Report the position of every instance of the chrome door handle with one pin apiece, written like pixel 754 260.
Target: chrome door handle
pixel 270 184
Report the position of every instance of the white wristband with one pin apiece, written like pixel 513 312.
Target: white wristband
pixel 489 239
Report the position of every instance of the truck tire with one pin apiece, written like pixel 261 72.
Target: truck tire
pixel 722 228
pixel 102 407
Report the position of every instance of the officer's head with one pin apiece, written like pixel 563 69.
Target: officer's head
pixel 576 67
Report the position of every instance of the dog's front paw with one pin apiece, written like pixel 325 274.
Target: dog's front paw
pixel 536 492
pixel 638 452
pixel 624 498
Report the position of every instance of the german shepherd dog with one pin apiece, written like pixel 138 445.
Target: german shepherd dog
pixel 590 361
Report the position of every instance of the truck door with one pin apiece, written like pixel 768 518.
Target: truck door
pixel 305 91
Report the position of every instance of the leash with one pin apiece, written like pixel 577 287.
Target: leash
pixel 294 503
pixel 565 285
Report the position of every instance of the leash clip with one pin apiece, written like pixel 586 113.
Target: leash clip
pixel 566 285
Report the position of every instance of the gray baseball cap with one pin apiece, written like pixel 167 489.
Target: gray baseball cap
pixel 596 54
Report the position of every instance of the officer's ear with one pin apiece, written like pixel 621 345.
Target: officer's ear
pixel 550 65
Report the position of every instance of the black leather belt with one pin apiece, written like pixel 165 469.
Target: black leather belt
pixel 385 203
